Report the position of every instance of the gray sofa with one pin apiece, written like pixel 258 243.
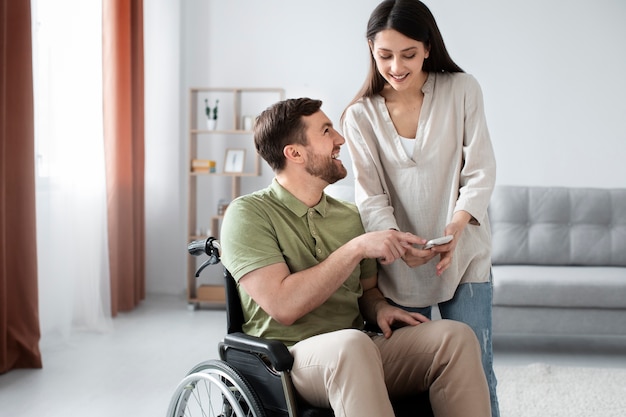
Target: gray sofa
pixel 559 261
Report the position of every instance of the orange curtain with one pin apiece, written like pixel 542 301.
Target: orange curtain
pixel 124 149
pixel 19 310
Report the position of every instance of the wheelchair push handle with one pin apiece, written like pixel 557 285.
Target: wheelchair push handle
pixel 209 246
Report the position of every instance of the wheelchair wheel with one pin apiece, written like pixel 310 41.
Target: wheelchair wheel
pixel 214 388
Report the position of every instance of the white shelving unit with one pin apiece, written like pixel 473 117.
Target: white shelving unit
pixel 208 149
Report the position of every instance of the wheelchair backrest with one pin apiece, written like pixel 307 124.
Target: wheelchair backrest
pixel 234 313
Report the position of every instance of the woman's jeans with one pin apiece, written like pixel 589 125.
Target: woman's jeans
pixel 471 305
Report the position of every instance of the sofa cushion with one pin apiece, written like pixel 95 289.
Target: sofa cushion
pixel 601 326
pixel 559 286
pixel 558 226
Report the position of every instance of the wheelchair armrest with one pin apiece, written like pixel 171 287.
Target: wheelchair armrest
pixel 277 353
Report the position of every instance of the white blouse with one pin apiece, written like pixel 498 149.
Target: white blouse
pixel 452 167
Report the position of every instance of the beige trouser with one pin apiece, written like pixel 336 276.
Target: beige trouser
pixel 355 374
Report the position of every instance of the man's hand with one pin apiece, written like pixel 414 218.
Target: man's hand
pixel 376 309
pixel 387 245
pixel 388 316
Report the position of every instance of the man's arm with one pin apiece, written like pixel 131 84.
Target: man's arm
pixel 287 296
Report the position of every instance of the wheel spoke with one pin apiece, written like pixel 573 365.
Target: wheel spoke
pixel 214 389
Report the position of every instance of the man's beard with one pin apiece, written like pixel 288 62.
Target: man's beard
pixel 325 168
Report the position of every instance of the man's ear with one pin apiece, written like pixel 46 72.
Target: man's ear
pixel 292 152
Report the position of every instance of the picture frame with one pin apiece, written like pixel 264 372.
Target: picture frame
pixel 234 161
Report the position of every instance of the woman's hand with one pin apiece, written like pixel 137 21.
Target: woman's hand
pixel 454 228
pixel 415 257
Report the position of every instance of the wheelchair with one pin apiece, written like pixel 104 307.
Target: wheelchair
pixel 252 377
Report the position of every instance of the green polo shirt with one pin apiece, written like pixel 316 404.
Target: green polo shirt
pixel 272 226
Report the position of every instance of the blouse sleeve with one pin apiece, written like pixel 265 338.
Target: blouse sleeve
pixel 371 191
pixel 478 172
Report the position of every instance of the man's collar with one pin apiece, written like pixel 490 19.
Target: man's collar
pixel 296 206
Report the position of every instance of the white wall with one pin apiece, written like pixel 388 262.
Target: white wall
pixel 552 75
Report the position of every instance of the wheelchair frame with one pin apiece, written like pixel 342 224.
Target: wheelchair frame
pixel 252 378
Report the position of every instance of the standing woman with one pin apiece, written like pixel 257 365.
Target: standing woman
pixel 424 163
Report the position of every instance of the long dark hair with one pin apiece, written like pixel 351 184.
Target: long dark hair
pixel 413 19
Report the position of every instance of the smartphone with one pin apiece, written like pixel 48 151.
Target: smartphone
pixel 439 241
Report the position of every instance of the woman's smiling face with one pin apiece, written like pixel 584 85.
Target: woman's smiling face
pixel 399 59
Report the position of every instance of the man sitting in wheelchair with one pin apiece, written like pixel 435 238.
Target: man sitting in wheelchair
pixel 307 277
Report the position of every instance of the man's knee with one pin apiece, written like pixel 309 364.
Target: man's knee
pixel 326 364
pixel 339 347
pixel 458 335
pixel 353 344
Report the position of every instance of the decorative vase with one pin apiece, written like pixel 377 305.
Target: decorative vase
pixel 211 124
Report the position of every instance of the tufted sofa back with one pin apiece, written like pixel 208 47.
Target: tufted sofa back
pixel 558 226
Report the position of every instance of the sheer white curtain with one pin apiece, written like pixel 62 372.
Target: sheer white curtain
pixel 73 263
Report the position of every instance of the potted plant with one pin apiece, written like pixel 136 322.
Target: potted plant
pixel 211 114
